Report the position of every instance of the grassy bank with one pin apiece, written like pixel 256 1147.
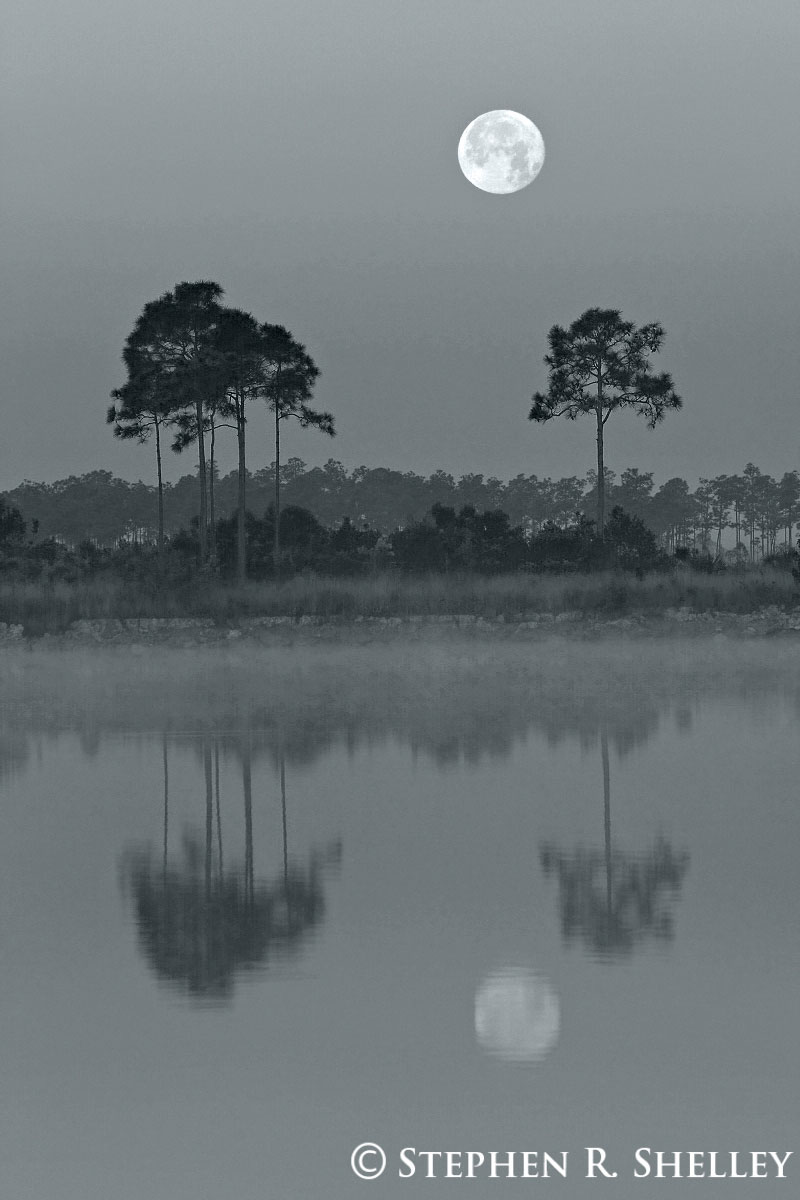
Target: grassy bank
pixel 51 608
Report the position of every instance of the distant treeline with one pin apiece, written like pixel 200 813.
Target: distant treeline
pixel 445 541
pixel 751 512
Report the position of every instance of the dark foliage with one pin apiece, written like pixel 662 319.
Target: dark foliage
pixel 465 541
pixel 12 528
pixel 759 512
pixel 634 545
pixel 305 545
pixel 572 549
pixel 446 541
pixel 12 536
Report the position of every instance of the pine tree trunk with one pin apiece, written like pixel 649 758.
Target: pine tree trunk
pixel 276 540
pixel 160 492
pixel 212 510
pixel 601 473
pixel 201 459
pixel 241 540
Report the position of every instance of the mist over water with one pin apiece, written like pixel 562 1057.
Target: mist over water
pixel 261 906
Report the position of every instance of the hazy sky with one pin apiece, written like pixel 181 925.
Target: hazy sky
pixel 303 154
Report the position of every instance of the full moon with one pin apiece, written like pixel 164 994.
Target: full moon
pixel 501 151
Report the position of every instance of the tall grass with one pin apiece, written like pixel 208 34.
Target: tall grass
pixel 42 608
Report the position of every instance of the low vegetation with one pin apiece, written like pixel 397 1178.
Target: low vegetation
pixel 464 563
pixel 52 607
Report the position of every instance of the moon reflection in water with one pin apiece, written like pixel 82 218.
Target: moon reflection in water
pixel 517 1015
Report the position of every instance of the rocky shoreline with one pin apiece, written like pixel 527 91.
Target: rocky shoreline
pixel 285 630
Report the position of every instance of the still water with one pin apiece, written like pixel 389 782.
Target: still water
pixel 258 908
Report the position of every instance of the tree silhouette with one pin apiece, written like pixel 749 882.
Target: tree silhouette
pixel 12 528
pixel 789 494
pixel 216 409
pixel 287 384
pixel 598 365
pixel 170 352
pixel 239 345
pixel 140 409
pixel 670 512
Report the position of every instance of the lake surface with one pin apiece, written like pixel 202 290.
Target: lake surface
pixel 259 908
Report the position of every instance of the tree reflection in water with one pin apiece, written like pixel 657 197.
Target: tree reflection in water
pixel 200 926
pixel 614 901
pixel 14 753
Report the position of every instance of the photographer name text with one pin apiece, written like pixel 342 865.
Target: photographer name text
pixel 369 1161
